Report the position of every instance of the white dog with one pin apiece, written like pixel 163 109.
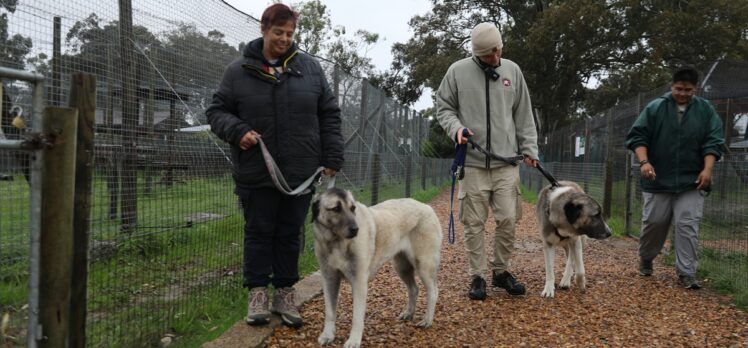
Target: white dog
pixel 354 241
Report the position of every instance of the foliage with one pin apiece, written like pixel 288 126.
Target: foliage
pixel 316 35
pixel 14 48
pixel 314 27
pixel 565 46
pixel 438 143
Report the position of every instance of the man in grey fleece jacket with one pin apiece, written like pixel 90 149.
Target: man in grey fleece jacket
pixel 488 95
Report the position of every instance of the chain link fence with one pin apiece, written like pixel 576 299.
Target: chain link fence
pixel 165 226
pixel 604 161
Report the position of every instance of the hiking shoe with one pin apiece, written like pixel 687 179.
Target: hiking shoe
pixel 477 289
pixel 284 304
pixel 645 267
pixel 257 307
pixel 506 281
pixel 689 282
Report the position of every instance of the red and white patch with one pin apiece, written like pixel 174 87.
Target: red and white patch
pixel 507 83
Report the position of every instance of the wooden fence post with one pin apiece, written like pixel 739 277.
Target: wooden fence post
pixel 608 187
pixel 56 247
pixel 82 97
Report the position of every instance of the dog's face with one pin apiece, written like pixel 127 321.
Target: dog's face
pixel 334 213
pixel 585 215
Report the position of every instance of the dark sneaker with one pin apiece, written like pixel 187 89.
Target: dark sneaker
pixel 689 282
pixel 506 280
pixel 284 304
pixel 477 289
pixel 645 267
pixel 257 307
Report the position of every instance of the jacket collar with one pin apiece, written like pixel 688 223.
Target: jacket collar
pixel 253 52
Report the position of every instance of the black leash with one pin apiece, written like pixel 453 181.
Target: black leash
pixel 513 160
pixel 547 175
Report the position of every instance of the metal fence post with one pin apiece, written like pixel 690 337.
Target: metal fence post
pixel 82 97
pixel 56 247
pixel 375 178
pixel 627 213
pixel 129 175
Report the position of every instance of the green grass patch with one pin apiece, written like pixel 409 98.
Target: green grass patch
pixel 722 272
pixel 528 195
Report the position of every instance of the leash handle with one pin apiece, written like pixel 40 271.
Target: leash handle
pixel 277 176
pixel 451 225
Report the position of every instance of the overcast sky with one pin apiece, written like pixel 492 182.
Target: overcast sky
pixel 388 18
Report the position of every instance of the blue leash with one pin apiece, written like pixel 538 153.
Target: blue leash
pixel 458 172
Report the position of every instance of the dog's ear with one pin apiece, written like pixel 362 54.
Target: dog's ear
pixel 572 211
pixel 315 208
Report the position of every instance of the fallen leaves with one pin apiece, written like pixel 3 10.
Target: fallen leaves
pixel 619 308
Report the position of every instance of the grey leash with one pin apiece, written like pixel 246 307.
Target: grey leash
pixel 280 181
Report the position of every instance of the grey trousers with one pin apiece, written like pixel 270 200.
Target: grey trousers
pixel 684 211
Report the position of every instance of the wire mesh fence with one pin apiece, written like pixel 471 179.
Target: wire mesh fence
pixel 724 228
pixel 165 237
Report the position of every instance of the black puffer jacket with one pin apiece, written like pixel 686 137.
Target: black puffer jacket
pixel 296 114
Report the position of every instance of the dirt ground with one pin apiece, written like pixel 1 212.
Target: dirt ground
pixel 620 308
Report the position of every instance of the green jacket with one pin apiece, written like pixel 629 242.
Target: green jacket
pixel 676 150
pixel 503 124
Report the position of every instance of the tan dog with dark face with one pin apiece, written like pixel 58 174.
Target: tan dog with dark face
pixel 565 214
pixel 353 241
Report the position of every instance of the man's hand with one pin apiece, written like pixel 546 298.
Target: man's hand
pixel 704 180
pixel 647 171
pixel 530 162
pixel 248 140
pixel 460 138
pixel 329 172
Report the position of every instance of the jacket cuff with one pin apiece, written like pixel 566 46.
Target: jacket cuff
pixel 241 130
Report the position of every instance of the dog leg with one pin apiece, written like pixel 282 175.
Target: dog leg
pixel 428 277
pixel 406 272
pixel 331 289
pixel 549 253
pixel 579 277
pixel 359 292
pixel 568 268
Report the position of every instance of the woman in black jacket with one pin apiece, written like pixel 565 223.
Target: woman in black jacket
pixel 280 94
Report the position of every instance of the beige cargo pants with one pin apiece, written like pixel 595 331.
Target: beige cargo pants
pixel 479 189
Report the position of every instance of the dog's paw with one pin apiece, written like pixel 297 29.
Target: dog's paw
pixel 352 343
pixel 405 315
pixel 324 339
pixel 424 323
pixel 581 282
pixel 565 283
pixel 548 291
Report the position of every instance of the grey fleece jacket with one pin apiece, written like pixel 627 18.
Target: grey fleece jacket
pixel 504 124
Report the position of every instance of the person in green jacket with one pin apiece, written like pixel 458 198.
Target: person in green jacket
pixel 677 139
pixel 487 95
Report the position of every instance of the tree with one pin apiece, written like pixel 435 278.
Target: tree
pixel 564 45
pixel 14 48
pixel 313 30
pixel 94 48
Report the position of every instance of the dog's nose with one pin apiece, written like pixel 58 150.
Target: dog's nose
pixel 352 231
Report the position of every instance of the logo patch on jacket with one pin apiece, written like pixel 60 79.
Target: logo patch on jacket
pixel 507 83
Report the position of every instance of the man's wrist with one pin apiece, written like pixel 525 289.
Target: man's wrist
pixel 643 162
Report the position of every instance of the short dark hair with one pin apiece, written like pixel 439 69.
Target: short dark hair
pixel 686 73
pixel 278 14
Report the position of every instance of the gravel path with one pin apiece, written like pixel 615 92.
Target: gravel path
pixel 619 308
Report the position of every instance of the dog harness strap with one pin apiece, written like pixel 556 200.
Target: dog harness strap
pixel 279 180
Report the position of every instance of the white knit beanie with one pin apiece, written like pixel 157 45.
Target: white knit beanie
pixel 485 38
